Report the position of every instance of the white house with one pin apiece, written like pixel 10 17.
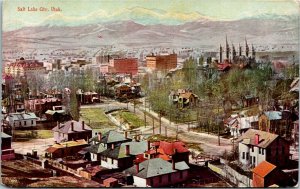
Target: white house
pixel 158 173
pixel 237 125
pixel 19 120
pixel 123 155
pixel 256 146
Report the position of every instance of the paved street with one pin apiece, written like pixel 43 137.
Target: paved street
pixel 209 143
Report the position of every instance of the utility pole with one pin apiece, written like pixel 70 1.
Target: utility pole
pixel 153 125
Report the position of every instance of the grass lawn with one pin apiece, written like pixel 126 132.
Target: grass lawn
pixel 133 120
pixel 95 118
pixel 32 134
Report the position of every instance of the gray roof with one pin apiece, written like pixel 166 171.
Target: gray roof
pixel 265 138
pixel 96 148
pixel 4 135
pixel 67 127
pixel 119 152
pixel 273 115
pixel 111 137
pixel 22 116
pixel 155 167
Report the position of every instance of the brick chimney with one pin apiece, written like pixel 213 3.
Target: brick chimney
pixel 72 125
pixel 256 139
pixel 137 167
pixel 127 149
pixel 99 136
pixel 173 164
pixel 82 125
pixel 112 146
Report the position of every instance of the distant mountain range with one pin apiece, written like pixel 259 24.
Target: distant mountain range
pixel 201 32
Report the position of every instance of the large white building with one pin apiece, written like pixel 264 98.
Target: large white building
pixel 19 120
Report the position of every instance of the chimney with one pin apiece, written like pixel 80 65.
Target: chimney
pixel 72 125
pixel 173 164
pixel 137 166
pixel 58 125
pixel 112 146
pixel 256 139
pixel 82 125
pixel 127 149
pixel 125 134
pixel 99 136
pixel 175 150
pixel 149 145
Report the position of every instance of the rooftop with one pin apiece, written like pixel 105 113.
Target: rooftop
pixel 155 167
pixel 67 127
pixel 265 138
pixel 263 169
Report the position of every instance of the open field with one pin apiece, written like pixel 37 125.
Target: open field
pixel 130 118
pixel 95 118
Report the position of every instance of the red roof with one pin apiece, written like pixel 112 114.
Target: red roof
pixel 263 169
pixel 170 148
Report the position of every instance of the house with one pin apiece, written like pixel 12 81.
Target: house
pixel 238 125
pixel 110 138
pixel 123 91
pixel 175 151
pixel 7 153
pixel 270 121
pixel 266 174
pixel 122 156
pixel 102 142
pixel 22 120
pixel 256 146
pixel 40 106
pixel 87 97
pixel 57 114
pixel 249 100
pixel 72 130
pixel 157 172
pixel 64 149
pixel 183 98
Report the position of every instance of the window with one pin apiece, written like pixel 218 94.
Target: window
pixel 31 122
pixel 259 150
pixel 252 148
pixel 243 155
pixel 160 179
pixel 247 156
pixel 24 122
pixel 253 160
pixel 250 159
pixel 20 124
pixel 263 151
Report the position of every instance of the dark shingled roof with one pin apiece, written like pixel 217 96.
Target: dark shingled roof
pixel 155 167
pixel 265 138
pixel 119 152
pixel 111 137
pixel 67 127
pixel 96 148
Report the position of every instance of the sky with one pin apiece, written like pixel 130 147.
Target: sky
pixel 79 12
